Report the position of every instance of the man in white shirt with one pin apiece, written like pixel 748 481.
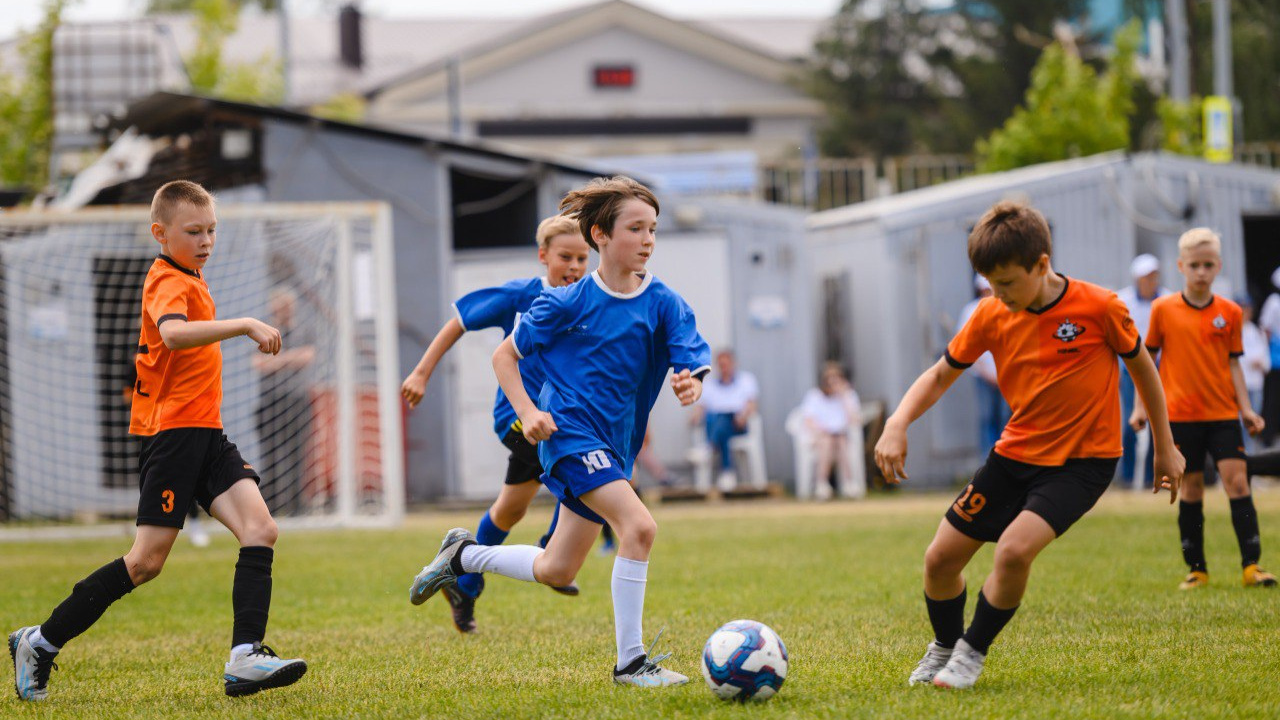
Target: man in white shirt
pixel 728 402
pixel 1255 363
pixel 1269 323
pixel 1145 271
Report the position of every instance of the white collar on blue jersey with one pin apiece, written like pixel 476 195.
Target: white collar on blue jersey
pixel 644 285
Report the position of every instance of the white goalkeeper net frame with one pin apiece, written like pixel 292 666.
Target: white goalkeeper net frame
pixel 322 422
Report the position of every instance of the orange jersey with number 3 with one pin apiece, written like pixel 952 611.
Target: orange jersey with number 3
pixel 1196 345
pixel 1057 369
pixel 175 388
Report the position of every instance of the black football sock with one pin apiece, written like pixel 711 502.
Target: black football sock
pixel 251 595
pixel 1191 527
pixel 1245 520
pixel 988 621
pixel 89 599
pixel 947 618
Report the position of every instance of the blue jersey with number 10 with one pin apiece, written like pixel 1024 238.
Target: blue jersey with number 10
pixel 501 307
pixel 606 357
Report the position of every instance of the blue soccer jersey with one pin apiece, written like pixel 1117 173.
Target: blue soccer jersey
pixel 501 307
pixel 606 357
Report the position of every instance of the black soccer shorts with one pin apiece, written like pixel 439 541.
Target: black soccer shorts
pixel 182 464
pixel 1003 488
pixel 1223 439
pixel 522 465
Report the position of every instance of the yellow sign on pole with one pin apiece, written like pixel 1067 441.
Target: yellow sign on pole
pixel 1218 145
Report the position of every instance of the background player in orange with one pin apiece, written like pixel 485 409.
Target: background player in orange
pixel 185 455
pixel 1197 334
pixel 1055 342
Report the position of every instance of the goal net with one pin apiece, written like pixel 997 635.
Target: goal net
pixel 321 421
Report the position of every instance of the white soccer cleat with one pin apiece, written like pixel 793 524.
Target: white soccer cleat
pixel 31 665
pixel 643 672
pixel 935 658
pixel 962 669
pixel 261 669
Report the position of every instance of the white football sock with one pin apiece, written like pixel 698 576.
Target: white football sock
pixel 37 640
pixel 513 561
pixel 629 577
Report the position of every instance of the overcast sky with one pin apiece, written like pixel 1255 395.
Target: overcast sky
pixel 16 15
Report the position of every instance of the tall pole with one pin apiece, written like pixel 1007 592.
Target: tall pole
pixel 453 74
pixel 1222 80
pixel 283 13
pixel 1179 53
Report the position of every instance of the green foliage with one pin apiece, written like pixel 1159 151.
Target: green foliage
pixel 258 82
pixel 179 6
pixel 1070 111
pixel 1102 633
pixel 26 106
pixel 345 107
pixel 1255 25
pixel 1181 126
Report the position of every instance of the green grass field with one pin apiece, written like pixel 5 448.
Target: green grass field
pixel 1103 632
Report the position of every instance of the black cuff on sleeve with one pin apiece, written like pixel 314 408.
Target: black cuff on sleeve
pixel 170 316
pixel 946 355
pixel 1137 347
pixel 1153 350
pixel 1235 354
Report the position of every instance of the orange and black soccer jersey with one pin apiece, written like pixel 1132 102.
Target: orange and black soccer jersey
pixel 1057 369
pixel 1196 345
pixel 175 388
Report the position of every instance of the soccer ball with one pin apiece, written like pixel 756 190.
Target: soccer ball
pixel 744 660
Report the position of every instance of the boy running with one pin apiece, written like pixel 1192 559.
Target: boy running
pixel 607 344
pixel 1198 336
pixel 1055 342
pixel 185 455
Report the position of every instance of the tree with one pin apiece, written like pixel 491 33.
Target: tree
pixel 181 6
pixel 26 106
pixel 257 82
pixel 1070 111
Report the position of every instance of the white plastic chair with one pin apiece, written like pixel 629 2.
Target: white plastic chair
pixel 805 459
pixel 746 451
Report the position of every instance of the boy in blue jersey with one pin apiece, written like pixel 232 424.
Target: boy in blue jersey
pixel 607 344
pixel 564 252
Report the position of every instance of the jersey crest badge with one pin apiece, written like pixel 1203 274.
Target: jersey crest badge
pixel 1068 331
pixel 1219 322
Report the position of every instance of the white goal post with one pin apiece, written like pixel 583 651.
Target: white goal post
pixel 322 422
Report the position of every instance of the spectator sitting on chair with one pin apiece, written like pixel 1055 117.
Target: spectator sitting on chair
pixel 727 404
pixel 829 411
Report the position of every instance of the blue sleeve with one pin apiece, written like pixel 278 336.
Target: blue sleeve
pixel 487 307
pixel 540 323
pixel 687 349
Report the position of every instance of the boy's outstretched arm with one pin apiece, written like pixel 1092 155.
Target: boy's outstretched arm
pixel 179 334
pixel 536 424
pixel 415 385
pixel 891 449
pixel 1150 407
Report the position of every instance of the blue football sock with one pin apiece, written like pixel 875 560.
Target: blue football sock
pixel 555 518
pixel 488 533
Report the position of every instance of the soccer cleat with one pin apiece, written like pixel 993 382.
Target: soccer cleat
pixel 31 665
pixel 1255 576
pixel 463 607
pixel 645 672
pixel 261 669
pixel 439 573
pixel 571 589
pixel 935 658
pixel 962 668
pixel 1197 579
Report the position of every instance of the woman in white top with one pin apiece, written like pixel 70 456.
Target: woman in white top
pixel 829 410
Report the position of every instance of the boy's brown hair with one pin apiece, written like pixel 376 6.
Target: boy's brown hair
pixel 553 226
pixel 1009 233
pixel 171 194
pixel 599 202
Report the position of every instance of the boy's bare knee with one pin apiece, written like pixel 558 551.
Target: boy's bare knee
pixel 939 563
pixel 262 533
pixel 642 534
pixel 507 516
pixel 1014 557
pixel 144 568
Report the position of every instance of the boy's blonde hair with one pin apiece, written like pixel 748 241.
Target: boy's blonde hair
pixel 599 202
pixel 1010 233
pixel 171 194
pixel 1197 237
pixel 553 226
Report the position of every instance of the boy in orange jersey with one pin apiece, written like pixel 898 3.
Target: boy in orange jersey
pixel 1198 336
pixel 1055 342
pixel 185 455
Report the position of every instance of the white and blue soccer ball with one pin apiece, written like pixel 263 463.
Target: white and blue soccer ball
pixel 744 660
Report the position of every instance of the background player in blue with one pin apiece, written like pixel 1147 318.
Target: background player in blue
pixel 564 252
pixel 607 343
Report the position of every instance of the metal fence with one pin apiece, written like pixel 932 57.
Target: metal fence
pixel 834 182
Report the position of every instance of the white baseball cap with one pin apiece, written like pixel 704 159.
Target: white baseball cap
pixel 1143 265
pixel 1275 278
pixel 980 283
